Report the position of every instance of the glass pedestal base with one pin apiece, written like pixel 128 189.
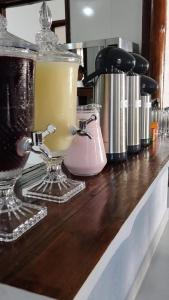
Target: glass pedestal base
pixel 55 185
pixel 53 190
pixel 18 218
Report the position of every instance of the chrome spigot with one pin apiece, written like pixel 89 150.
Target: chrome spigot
pixel 38 136
pixel 35 143
pixel 82 131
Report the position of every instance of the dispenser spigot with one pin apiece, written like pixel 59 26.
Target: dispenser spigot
pixel 83 125
pixel 36 143
pixel 38 136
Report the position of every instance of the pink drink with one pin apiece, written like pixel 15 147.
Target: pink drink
pixel 86 157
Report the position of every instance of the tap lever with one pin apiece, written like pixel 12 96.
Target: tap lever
pixel 82 127
pixel 50 129
pixel 35 143
pixel 91 119
pixel 83 122
pixel 38 136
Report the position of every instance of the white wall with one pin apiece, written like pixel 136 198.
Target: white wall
pixel 24 20
pixel 110 18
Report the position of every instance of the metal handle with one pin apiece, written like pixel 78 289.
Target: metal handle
pixel 36 143
pixel 91 119
pixel 82 127
pixel 38 136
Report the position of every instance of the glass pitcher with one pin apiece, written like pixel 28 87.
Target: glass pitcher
pixel 86 156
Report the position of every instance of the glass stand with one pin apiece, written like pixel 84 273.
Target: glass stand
pixel 55 186
pixel 16 217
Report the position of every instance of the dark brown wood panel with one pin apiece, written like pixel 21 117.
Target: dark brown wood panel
pixel 57 23
pixel 153 40
pixel 56 256
pixel 157 44
pixel 67 19
pixel 85 91
pixel 9 3
pixel 146 27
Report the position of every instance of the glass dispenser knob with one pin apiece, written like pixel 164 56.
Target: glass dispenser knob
pixel 45 38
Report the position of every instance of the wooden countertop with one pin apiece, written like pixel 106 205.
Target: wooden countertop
pixel 56 256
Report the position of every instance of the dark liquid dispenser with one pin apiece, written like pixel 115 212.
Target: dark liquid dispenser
pixel 134 103
pixel 17 65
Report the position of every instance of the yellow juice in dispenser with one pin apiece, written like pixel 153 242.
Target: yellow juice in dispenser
pixel 55 101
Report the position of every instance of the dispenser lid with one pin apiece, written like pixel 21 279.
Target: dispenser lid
pixel 119 59
pixel 111 60
pixel 148 85
pixel 47 40
pixel 142 64
pixel 89 107
pixel 101 61
pixel 9 40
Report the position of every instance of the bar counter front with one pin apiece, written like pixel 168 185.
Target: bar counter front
pixel 95 246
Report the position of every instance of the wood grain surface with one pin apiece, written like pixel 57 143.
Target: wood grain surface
pixel 56 256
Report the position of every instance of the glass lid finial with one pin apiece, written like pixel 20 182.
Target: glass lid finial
pixel 46 39
pixel 45 16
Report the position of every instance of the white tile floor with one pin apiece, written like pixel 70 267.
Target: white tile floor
pixel 156 282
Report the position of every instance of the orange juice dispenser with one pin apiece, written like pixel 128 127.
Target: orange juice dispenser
pixel 55 103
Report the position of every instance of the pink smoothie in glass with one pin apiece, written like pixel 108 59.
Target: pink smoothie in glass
pixel 86 157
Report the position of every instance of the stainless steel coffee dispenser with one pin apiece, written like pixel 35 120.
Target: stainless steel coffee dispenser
pixel 134 103
pixel 113 63
pixel 148 87
pixel 113 121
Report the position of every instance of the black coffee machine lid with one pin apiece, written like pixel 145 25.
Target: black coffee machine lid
pixel 148 85
pixel 101 64
pixel 112 60
pixel 142 65
pixel 101 61
pixel 119 60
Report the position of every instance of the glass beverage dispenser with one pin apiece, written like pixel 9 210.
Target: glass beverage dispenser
pixel 86 156
pixel 17 62
pixel 55 103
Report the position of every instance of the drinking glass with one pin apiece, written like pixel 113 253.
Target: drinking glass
pixel 17 62
pixel 55 103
